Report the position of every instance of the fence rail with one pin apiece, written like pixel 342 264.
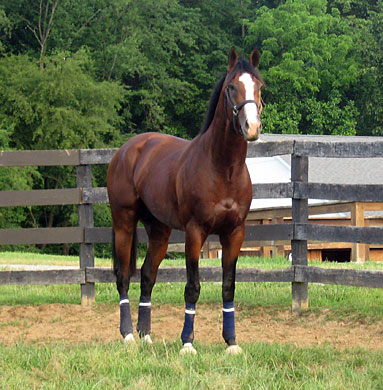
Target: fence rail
pixel 346 277
pixel 67 196
pixel 298 232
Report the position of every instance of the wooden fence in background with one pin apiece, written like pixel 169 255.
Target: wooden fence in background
pixel 298 232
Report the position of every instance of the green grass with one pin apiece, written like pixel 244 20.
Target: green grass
pixel 338 301
pixel 37 259
pixel 113 366
pixel 243 262
pixel 261 366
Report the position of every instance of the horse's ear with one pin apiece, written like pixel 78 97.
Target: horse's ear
pixel 233 58
pixel 255 57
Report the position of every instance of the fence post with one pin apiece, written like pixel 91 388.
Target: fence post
pixel 85 220
pixel 277 250
pixel 299 173
pixel 359 252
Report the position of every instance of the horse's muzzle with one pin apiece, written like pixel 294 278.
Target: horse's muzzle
pixel 252 131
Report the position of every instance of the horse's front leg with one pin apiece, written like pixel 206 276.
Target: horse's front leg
pixel 231 245
pixel 194 240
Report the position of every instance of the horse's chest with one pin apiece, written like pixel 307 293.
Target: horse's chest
pixel 227 213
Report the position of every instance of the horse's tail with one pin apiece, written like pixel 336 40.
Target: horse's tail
pixel 133 255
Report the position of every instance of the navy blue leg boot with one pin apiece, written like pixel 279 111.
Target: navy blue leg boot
pixel 228 331
pixel 187 335
pixel 144 318
pixel 126 327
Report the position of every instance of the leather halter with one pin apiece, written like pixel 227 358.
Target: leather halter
pixel 235 109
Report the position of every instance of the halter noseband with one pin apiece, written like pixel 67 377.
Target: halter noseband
pixel 235 109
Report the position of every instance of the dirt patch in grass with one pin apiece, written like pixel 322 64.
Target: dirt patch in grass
pixel 72 323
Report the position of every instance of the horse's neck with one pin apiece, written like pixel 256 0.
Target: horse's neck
pixel 226 148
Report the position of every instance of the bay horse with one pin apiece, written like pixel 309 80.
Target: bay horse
pixel 200 186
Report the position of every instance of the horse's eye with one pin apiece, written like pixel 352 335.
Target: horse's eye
pixel 231 87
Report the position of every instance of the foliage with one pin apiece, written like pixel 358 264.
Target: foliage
pixel 309 65
pixel 93 73
pixel 168 65
pixel 370 48
pixel 5 28
pixel 321 59
pixel 59 106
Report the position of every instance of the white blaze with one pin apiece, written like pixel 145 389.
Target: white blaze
pixel 251 110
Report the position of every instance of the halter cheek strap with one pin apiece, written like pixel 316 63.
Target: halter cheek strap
pixel 235 109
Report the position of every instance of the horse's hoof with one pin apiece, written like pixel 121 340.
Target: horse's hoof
pixel 147 339
pixel 129 339
pixel 188 349
pixel 233 350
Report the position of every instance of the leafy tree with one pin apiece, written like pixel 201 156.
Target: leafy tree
pixel 5 28
pixel 365 18
pixel 168 64
pixel 91 73
pixel 368 92
pixel 356 9
pixel 167 53
pixel 57 107
pixel 309 66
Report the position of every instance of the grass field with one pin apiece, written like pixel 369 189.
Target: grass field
pixel 340 301
pixel 110 365
pixel 244 262
pixel 261 366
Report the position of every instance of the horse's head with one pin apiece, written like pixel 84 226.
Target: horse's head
pixel 243 103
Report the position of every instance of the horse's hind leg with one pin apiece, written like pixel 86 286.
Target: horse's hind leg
pixel 124 266
pixel 158 235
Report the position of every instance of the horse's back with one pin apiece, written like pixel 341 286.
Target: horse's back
pixel 144 150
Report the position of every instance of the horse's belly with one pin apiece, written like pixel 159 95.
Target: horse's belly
pixel 167 216
pixel 154 178
pixel 162 207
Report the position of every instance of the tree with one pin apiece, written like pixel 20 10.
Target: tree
pixel 58 106
pixel 368 92
pixel 5 29
pixel 169 64
pixel 42 31
pixel 309 67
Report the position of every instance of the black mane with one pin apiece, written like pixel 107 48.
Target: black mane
pixel 212 105
pixel 242 66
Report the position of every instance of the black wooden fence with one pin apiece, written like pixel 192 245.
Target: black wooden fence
pixel 299 231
